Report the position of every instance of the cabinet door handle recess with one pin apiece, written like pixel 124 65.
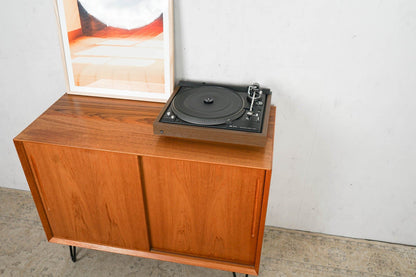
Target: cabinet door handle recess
pixel 255 210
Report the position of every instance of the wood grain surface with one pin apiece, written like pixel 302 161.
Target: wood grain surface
pixel 90 196
pixel 262 214
pixel 30 177
pixel 125 126
pixel 101 179
pixel 201 209
pixel 164 256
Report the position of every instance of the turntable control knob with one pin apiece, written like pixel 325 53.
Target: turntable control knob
pixel 172 117
pixel 259 103
pixel 168 113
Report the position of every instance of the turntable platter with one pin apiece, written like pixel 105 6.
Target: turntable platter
pixel 208 105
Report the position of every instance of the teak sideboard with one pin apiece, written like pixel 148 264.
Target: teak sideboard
pixel 102 180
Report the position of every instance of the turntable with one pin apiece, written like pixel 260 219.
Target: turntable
pixel 221 113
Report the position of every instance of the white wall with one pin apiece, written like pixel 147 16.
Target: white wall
pixel 343 74
pixel 31 76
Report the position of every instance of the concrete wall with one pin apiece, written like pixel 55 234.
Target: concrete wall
pixel 343 78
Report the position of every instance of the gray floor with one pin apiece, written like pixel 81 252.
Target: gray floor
pixel 24 251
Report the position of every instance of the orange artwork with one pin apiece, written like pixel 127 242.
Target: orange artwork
pixel 117 47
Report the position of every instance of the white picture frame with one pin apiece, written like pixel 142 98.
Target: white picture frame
pixel 129 62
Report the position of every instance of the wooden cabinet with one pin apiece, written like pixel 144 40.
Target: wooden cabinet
pixel 100 179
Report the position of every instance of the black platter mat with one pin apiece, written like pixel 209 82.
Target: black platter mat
pixel 208 105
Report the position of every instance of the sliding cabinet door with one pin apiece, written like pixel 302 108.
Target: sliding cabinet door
pixel 204 210
pixel 90 196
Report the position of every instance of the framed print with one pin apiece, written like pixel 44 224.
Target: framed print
pixel 118 48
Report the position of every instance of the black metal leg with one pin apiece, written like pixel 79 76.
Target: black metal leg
pixel 234 275
pixel 73 252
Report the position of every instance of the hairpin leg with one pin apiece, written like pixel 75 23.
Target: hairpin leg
pixel 73 252
pixel 234 275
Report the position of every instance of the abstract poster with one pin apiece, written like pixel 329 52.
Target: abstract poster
pixel 118 48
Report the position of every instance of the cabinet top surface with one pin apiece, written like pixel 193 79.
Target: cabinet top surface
pixel 126 126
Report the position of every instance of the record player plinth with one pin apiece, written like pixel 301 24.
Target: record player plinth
pixel 220 113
